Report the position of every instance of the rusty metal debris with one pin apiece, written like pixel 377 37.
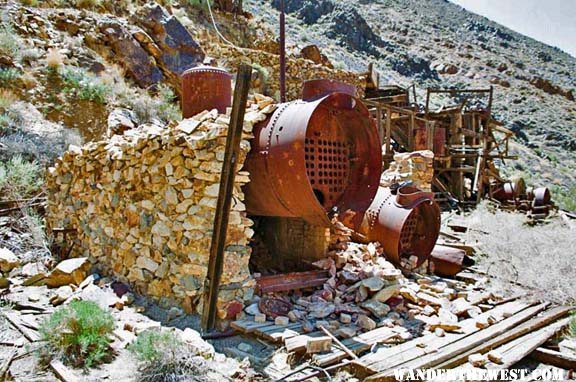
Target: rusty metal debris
pixel 274 307
pixel 311 159
pixel 291 281
pixel 205 88
pixel 446 261
pixel 405 221
pixel 316 89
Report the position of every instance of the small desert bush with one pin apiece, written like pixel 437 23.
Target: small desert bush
pixel 19 178
pixel 9 45
pixel 54 59
pixel 85 86
pixel 88 4
pixel 167 359
pixel 151 345
pixel 8 76
pixel 29 3
pixel 79 333
pixel 7 99
pixel 148 108
pixel 565 199
pixel 572 326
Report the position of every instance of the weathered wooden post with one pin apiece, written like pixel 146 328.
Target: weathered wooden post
pixel 212 282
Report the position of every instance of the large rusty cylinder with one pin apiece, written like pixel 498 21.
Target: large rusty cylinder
pixel 205 88
pixel 313 159
pixel 406 223
pixel 316 89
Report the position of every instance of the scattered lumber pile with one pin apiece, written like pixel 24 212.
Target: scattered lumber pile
pixel 370 319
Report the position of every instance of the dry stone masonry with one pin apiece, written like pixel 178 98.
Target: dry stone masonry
pixel 416 166
pixel 143 205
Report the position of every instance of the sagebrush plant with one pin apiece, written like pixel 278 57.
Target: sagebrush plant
pixel 165 358
pixel 88 4
pixel 79 333
pixel 9 44
pixel 19 178
pixel 85 86
pixel 8 76
pixel 572 326
pixel 565 199
pixel 152 344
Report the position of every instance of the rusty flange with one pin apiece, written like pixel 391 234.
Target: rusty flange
pixel 205 88
pixel 316 89
pixel 510 191
pixel 406 224
pixel 312 159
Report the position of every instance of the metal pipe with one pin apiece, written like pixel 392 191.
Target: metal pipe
pixel 282 53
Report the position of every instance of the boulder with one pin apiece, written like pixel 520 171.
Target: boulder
pixel 8 260
pixel 377 308
pixel 70 271
pixel 387 293
pixel 195 341
pixel 177 50
pixel 120 120
pixel 61 294
pixel 129 53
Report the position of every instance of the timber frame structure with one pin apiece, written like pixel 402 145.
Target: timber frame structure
pixel 465 138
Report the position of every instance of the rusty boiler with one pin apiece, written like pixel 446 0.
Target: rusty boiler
pixel 205 88
pixel 405 221
pixel 314 157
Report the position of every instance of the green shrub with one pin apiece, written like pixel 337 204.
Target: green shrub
pixel 85 86
pixel 167 359
pixel 8 76
pixel 566 199
pixel 9 45
pixel 572 326
pixel 168 109
pixel 79 333
pixel 152 345
pixel 19 178
pixel 88 4
pixel 30 3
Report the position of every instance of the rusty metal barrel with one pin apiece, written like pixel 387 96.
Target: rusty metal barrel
pixel 205 88
pixel 406 223
pixel 312 159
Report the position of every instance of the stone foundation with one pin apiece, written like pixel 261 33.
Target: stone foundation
pixel 143 206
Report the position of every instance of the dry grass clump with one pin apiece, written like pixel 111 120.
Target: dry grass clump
pixel 54 59
pixel 539 257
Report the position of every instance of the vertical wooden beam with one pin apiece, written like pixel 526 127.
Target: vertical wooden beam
pixel 388 131
pixel 212 282
pixel 379 122
pixel 411 132
pixel 282 53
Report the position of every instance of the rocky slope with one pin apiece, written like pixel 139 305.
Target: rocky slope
pixel 435 43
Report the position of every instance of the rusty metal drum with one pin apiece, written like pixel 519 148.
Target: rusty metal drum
pixel 314 159
pixel 542 197
pixel 316 89
pixel 406 223
pixel 205 88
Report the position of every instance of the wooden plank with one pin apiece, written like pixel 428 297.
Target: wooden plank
pixel 423 359
pixel 357 344
pixel 215 264
pixel 554 358
pixel 62 372
pixel 534 324
pixel 276 333
pixel 298 343
pixel 520 348
pixel 248 326
pixel 404 352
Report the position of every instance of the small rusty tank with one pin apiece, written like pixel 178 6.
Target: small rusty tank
pixel 205 88
pixel 405 221
pixel 311 159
